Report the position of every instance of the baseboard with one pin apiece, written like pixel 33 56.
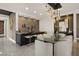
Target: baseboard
pixel 11 40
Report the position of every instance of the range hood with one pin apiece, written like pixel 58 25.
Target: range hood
pixel 55 5
pixel 5 12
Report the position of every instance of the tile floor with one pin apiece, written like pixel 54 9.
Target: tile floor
pixel 8 48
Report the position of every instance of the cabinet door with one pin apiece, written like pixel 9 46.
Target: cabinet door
pixel 43 49
pixel 63 48
pixel 1 27
pixel 77 23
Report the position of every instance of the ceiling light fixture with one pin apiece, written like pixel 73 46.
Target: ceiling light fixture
pixel 40 13
pixel 26 8
pixel 35 12
pixel 0 52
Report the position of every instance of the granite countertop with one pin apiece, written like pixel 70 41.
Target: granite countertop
pixel 49 40
pixel 21 32
pixel 31 32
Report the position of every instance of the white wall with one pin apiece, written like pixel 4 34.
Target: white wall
pixel 12 27
pixel 47 25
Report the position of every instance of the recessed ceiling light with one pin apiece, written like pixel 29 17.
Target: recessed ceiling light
pixel 58 9
pixel 26 8
pixel 35 12
pixel 40 13
pixel 0 52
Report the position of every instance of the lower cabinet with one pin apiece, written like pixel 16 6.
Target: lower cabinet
pixel 22 40
pixel 63 48
pixel 43 49
pixel 60 48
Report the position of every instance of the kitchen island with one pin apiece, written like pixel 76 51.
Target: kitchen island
pixel 49 47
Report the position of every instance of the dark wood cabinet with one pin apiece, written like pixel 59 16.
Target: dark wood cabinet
pixel 26 38
pixel 1 27
pixel 21 40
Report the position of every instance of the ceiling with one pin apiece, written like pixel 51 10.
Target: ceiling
pixel 36 9
pixel 67 7
pixel 21 7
